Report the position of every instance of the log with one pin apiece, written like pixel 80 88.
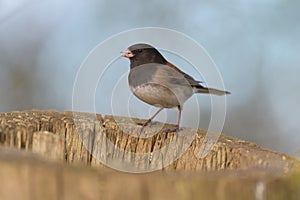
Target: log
pixel 117 142
pixel 54 155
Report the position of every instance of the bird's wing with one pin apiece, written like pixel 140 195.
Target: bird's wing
pixel 192 82
pixel 170 74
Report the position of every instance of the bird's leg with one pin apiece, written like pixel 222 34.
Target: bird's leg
pixel 176 128
pixel 179 117
pixel 151 118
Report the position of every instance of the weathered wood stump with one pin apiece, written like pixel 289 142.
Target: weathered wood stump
pixel 245 171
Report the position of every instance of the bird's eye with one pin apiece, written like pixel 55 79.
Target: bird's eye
pixel 140 50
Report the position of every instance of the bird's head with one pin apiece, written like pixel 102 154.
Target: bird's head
pixel 143 54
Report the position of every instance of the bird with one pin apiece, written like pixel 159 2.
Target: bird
pixel 159 83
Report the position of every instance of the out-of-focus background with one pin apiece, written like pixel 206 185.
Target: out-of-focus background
pixel 255 44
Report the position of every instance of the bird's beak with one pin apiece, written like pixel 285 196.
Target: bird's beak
pixel 127 53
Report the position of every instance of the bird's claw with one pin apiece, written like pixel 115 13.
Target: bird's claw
pixel 143 124
pixel 172 130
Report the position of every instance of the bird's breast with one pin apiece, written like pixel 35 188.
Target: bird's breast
pixel 160 96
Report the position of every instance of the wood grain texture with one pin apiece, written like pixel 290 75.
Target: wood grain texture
pixel 38 150
pixel 84 138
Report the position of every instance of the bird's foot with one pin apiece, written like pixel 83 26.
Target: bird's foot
pixel 172 130
pixel 143 124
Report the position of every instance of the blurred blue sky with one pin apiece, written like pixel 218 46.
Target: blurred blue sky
pixel 255 45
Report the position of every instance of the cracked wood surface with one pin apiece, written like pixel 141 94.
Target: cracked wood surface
pixel 59 136
pixel 56 138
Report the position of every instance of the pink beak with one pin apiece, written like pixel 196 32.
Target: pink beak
pixel 127 54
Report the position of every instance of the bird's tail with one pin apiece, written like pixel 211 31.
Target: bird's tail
pixel 211 91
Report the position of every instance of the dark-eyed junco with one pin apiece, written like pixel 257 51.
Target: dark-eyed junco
pixel 159 83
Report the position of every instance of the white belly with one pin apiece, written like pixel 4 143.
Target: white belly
pixel 160 96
